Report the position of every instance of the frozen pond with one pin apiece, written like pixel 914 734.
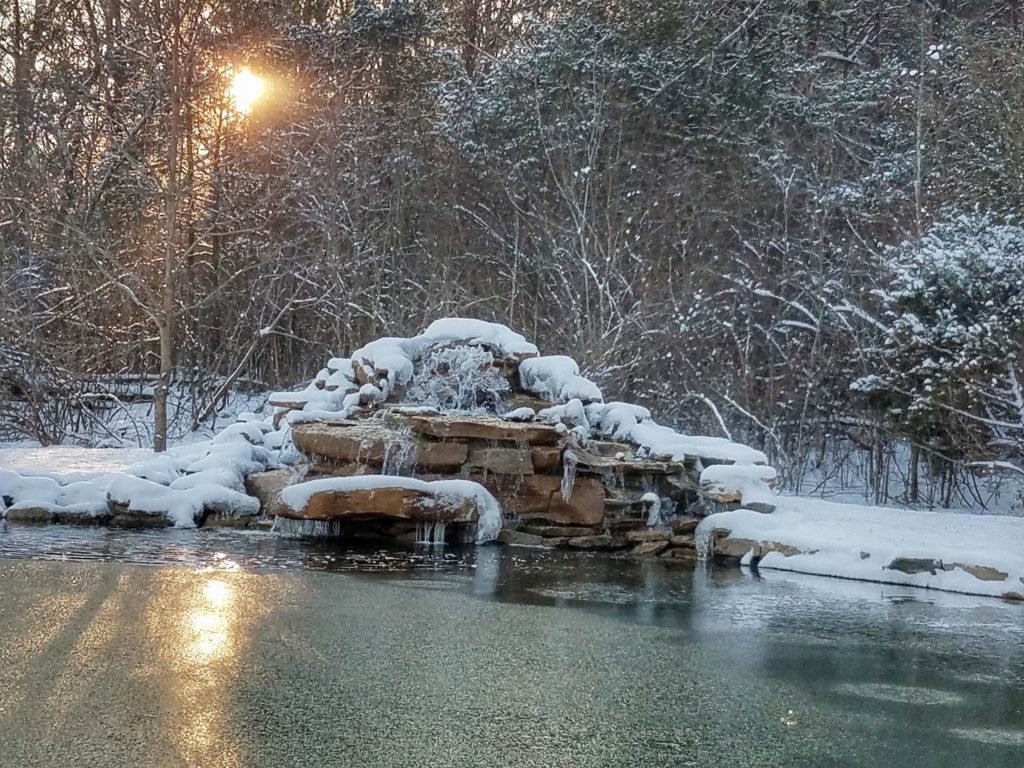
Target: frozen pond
pixel 226 648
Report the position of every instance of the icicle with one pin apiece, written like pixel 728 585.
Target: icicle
pixel 654 513
pixel 430 532
pixel 287 526
pixel 568 476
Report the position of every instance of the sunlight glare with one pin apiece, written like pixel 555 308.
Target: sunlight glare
pixel 246 89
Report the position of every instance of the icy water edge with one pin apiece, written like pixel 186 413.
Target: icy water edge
pixel 237 648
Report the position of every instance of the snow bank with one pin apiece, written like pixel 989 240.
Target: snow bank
pixel 180 485
pixel 972 554
pixel 488 525
pixel 731 482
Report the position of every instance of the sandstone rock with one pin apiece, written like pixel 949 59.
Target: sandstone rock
pixel 584 507
pixel 559 541
pixel 681 554
pixel 737 548
pixel 282 400
pixel 29 515
pixel 525 399
pixel 484 428
pixel 546 458
pixel 683 541
pixel 518 538
pixel 559 531
pixel 437 456
pixel 764 507
pixel 125 519
pixel 626 524
pixel 787 550
pixel 502 461
pixel 539 498
pixel 343 442
pixel 681 525
pixel 983 572
pixel 599 542
pixel 612 448
pixel 912 565
pixel 361 372
pixel 68 518
pixel 219 520
pixel 649 548
pixel 648 535
pixel 266 486
pixel 628 466
pixel 366 443
pixel 385 502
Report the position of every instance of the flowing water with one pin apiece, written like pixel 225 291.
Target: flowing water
pixel 247 649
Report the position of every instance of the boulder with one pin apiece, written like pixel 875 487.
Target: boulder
pixel 682 554
pixel 220 520
pixel 648 535
pixel 681 525
pixel 122 518
pixel 649 548
pixel 29 514
pixel 599 542
pixel 735 548
pixel 683 541
pixel 384 502
pixel 559 531
pixel 519 539
pixel 543 495
pixel 266 486
pixel 626 524
pixel 483 428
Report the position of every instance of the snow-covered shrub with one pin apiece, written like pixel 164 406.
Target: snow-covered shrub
pixel 950 361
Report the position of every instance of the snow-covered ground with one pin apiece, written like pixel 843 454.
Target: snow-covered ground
pixel 68 463
pixel 972 554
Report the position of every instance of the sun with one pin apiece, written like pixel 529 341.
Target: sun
pixel 245 90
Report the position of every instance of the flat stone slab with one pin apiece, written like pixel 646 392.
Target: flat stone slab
pixel 370 442
pixel 484 428
pixel 398 503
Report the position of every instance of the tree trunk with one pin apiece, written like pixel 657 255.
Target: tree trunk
pixel 166 324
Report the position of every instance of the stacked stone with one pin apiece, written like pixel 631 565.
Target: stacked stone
pixel 601 502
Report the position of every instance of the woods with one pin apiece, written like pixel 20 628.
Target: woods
pixel 788 223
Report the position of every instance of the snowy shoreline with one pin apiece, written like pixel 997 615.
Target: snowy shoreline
pixel 952 552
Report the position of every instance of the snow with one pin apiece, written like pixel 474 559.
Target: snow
pixel 736 480
pixel 396 355
pixel 556 378
pixel 181 485
pixel 520 414
pixel 861 542
pixel 68 462
pixel 488 525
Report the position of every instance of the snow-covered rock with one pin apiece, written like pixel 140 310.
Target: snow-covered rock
pixel 405 498
pixel 973 554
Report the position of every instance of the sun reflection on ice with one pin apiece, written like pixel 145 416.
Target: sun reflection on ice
pixel 211 623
